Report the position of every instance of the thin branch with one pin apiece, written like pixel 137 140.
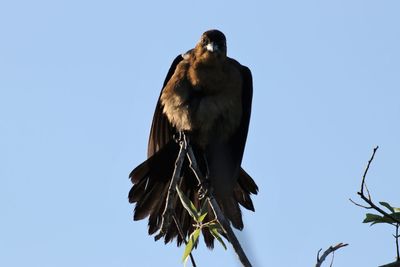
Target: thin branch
pixel 178 226
pixel 366 170
pixel 378 209
pixel 357 204
pixel 333 258
pixel 171 196
pixel 368 198
pixel 217 211
pixel 397 242
pixel 330 250
pixel 168 214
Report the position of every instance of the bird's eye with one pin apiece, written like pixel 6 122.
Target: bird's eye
pixel 204 41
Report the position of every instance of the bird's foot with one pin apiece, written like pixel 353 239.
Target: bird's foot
pixel 181 138
pixel 204 188
pixel 178 137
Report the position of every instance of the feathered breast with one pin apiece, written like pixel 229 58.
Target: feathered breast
pixel 204 99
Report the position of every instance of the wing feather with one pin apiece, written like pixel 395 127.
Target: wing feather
pixel 161 129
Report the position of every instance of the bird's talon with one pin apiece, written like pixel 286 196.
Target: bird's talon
pixel 204 188
pixel 178 137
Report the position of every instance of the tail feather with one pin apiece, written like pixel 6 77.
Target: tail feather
pixel 137 191
pixel 247 183
pixel 150 187
pixel 244 187
pixel 155 217
pixel 171 233
pixel 140 171
pixel 190 188
pixel 149 191
pixel 243 197
pixel 145 206
pixel 150 180
pixel 230 208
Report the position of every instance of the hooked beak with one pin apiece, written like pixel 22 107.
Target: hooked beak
pixel 211 47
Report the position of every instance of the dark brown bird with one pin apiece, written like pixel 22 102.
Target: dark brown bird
pixel 208 96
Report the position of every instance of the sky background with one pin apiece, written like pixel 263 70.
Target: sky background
pixel 79 81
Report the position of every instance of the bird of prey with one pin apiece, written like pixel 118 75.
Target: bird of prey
pixel 207 95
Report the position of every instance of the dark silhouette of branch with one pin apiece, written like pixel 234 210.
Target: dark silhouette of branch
pixel 366 171
pixel 357 204
pixel 178 225
pixel 393 264
pixel 367 198
pixel 397 242
pixel 171 196
pixel 168 214
pixel 330 250
pixel 217 211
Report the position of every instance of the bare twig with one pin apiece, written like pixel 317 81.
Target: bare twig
pixel 357 204
pixel 378 209
pixel 367 198
pixel 366 170
pixel 330 250
pixel 169 211
pixel 392 264
pixel 171 196
pixel 397 242
pixel 217 211
pixel 178 226
pixel 333 258
pixel 169 214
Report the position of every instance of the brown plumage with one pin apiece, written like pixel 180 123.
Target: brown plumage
pixel 208 96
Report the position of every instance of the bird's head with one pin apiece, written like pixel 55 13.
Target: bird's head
pixel 212 45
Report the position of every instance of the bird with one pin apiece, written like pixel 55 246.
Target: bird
pixel 208 96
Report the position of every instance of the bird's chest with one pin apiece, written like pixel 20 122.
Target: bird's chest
pixel 208 81
pixel 214 105
pixel 204 101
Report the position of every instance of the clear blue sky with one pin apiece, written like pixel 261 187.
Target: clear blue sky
pixel 79 82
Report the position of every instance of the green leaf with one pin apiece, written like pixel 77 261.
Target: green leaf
pixel 372 218
pixel 215 233
pixel 215 225
pixel 387 219
pixel 396 209
pixel 204 206
pixel 188 205
pixel 192 240
pixel 385 204
pixel 383 220
pixel 396 215
pixel 214 230
pixel 201 217
pixel 390 207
